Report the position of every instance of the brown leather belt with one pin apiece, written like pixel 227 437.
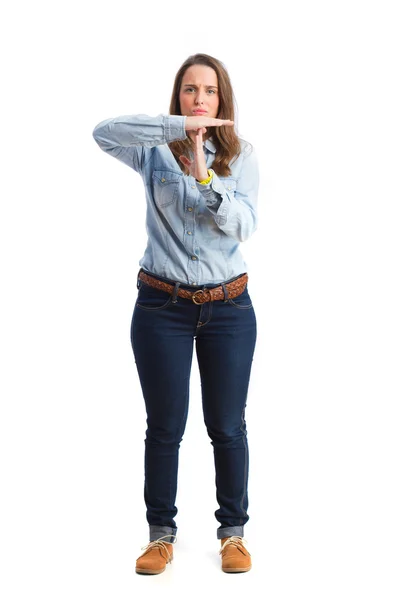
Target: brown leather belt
pixel 234 289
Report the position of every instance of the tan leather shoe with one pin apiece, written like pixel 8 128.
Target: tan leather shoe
pixel 235 556
pixel 155 557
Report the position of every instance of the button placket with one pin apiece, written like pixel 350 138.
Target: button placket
pixel 190 227
pixel 192 205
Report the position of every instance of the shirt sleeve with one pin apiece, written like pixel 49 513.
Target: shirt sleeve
pixel 126 137
pixel 235 210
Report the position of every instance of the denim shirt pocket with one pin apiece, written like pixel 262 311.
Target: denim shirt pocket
pixel 165 187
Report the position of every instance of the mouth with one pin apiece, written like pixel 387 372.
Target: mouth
pixel 199 112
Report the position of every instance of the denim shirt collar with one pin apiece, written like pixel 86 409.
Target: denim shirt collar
pixel 210 145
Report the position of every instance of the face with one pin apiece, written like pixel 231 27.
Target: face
pixel 199 91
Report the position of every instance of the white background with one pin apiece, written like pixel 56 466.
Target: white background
pixel 314 83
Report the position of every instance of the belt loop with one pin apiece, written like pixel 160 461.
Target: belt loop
pixel 175 292
pixel 225 292
pixel 138 280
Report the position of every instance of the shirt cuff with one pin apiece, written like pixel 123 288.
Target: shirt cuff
pixel 175 127
pixel 214 194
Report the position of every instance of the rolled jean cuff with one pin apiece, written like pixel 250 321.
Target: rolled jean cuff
pixel 229 531
pixel 158 531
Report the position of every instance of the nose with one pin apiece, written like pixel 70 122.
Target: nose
pixel 199 97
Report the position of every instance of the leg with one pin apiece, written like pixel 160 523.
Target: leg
pixel 225 345
pixel 163 346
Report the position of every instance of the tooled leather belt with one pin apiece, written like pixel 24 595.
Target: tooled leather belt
pixel 234 289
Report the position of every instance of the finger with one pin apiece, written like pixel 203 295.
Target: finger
pixel 193 123
pixel 199 141
pixel 220 122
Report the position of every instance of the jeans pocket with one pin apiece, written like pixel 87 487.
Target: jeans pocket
pixel 150 298
pixel 242 301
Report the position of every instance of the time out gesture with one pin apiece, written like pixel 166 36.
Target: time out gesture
pixel 196 127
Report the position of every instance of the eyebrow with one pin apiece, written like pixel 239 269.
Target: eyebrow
pixel 194 85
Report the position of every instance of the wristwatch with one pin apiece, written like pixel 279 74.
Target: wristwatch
pixel 209 178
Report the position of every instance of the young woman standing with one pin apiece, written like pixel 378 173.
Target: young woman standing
pixel 201 184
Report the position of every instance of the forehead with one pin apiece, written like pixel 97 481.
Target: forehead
pixel 200 74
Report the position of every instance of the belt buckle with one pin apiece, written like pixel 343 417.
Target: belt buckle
pixel 194 294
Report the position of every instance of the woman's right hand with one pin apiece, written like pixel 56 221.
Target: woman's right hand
pixel 201 122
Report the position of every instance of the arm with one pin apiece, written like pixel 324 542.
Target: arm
pixel 235 210
pixel 125 137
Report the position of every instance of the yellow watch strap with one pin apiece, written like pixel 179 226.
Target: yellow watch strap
pixel 205 181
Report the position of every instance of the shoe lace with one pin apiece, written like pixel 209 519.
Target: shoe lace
pixel 234 540
pixel 158 544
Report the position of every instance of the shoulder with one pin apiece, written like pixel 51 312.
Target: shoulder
pixel 248 164
pixel 246 148
pixel 246 154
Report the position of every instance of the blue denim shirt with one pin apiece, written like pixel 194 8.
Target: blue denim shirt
pixel 194 230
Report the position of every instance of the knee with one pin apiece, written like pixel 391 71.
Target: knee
pixel 164 436
pixel 228 437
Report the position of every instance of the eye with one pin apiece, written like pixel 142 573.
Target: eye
pixel 191 88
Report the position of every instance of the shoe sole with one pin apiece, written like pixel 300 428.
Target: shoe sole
pixel 150 571
pixel 235 570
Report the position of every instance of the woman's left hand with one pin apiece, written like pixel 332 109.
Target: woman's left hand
pixel 197 167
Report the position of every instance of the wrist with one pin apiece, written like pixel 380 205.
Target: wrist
pixel 208 178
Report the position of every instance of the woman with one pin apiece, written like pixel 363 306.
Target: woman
pixel 201 184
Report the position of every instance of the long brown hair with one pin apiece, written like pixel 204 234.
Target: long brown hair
pixel 225 139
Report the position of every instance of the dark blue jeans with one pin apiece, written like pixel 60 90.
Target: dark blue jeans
pixel 163 331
